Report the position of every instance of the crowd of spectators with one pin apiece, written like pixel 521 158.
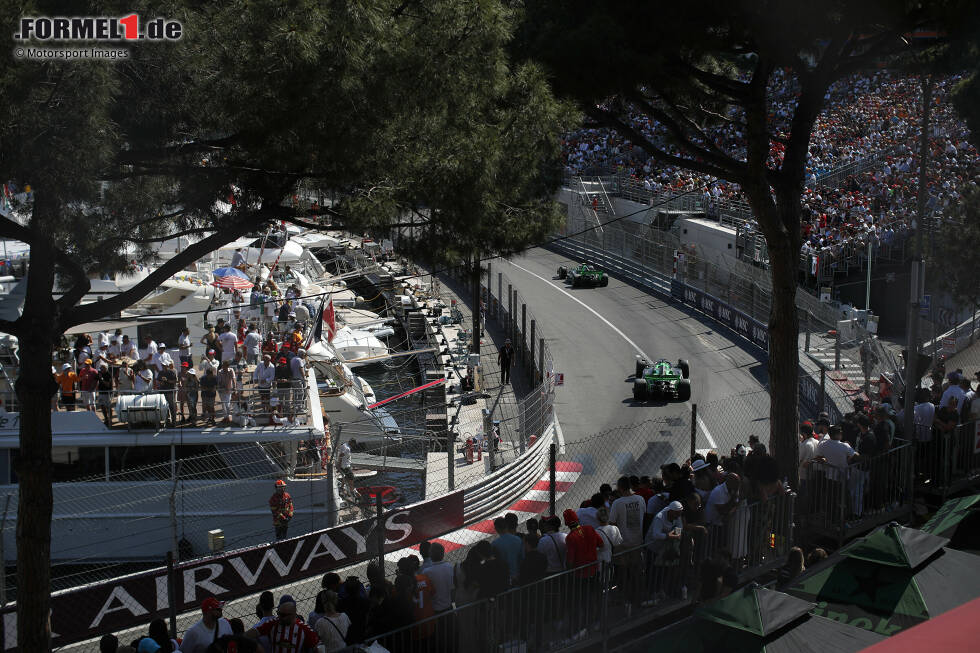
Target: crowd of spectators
pixel 843 467
pixel 248 376
pixel 870 122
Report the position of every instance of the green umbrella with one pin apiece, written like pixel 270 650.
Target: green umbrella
pixel 890 580
pixel 757 620
pixel 948 518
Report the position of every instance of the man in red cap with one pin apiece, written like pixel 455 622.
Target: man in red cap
pixel 581 545
pixel 281 505
pixel 199 637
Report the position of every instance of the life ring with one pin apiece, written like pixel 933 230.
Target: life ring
pixel 370 493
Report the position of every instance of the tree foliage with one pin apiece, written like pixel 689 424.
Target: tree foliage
pixel 957 241
pixel 397 105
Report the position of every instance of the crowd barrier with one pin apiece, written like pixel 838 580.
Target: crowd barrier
pixel 584 606
pixel 842 502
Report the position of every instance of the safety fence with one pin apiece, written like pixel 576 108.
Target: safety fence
pixel 506 312
pixel 584 605
pixel 841 502
pixel 950 461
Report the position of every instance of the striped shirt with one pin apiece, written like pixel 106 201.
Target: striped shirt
pixel 288 638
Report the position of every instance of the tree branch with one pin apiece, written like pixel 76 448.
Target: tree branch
pixel 158 239
pixel 91 312
pixel 607 118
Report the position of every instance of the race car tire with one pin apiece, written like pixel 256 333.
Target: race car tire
pixel 641 364
pixel 576 280
pixel 640 389
pixel 683 390
pixel 685 368
pixel 655 393
pixel 562 272
pixel 604 281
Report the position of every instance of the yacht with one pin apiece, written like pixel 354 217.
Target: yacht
pixel 132 490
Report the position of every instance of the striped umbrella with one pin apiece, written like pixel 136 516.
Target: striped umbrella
pixel 233 283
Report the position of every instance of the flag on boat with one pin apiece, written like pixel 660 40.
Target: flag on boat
pixel 316 334
pixel 330 318
pixel 233 283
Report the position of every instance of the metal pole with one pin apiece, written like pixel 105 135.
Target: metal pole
pixel 524 334
pixel 823 388
pixel 867 290
pixel 551 477
pixel 806 347
pixel 451 459
pixel 3 571
pixel 541 359
pixel 331 490
pixel 381 531
pixel 534 368
pixel 173 508
pixel 509 328
pixel 837 349
pixel 172 594
pixel 488 434
pixel 513 321
pixel 500 293
pixel 912 375
pixel 694 429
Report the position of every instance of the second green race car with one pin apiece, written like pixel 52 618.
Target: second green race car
pixel 661 380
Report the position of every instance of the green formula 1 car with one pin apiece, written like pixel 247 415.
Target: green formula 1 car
pixel 661 380
pixel 585 274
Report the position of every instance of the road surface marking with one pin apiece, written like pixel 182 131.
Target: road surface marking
pixel 612 326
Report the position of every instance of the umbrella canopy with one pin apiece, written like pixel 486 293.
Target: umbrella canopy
pixel 755 610
pixel 756 620
pixel 229 272
pixel 954 512
pixel 891 580
pixel 235 283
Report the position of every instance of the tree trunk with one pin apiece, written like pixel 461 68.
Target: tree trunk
pixel 784 361
pixel 34 387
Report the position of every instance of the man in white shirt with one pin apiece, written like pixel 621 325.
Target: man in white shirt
pixel 161 359
pixel 552 545
pixel 201 635
pixel 345 466
pixel 209 361
pixel 229 343
pixel 588 516
pixel 807 449
pixel 440 574
pixel 263 377
pixel 627 513
pixel 923 415
pixel 184 347
pixel 835 452
pixel 723 500
pixel 148 350
pixel 253 345
pixel 954 390
pixel 127 349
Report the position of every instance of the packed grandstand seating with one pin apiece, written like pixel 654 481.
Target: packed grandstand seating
pixel 862 172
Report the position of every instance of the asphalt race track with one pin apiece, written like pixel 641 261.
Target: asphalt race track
pixel 595 334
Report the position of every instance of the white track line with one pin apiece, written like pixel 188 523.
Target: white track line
pixel 612 326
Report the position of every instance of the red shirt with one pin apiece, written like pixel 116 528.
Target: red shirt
pixel 289 638
pixel 423 607
pixel 88 379
pixel 644 492
pixel 580 548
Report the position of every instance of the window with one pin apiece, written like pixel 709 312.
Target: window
pixel 70 464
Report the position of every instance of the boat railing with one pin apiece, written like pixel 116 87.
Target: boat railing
pixel 283 404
